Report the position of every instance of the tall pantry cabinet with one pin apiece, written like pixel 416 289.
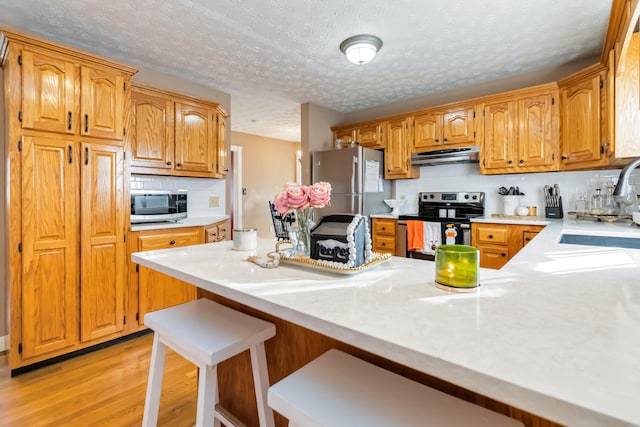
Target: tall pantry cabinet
pixel 64 146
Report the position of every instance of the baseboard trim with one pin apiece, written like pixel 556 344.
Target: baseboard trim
pixel 80 352
pixel 4 343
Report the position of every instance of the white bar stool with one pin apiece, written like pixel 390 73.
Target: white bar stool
pixel 207 333
pixel 339 390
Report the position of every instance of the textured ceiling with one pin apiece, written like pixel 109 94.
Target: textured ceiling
pixel 273 55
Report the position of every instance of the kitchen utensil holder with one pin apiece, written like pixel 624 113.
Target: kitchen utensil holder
pixel 554 211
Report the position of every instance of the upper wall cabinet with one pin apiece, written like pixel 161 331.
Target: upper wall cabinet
pixel 63 97
pixel 372 135
pixel 397 155
pixel 520 131
pixel 177 135
pixel 584 129
pixel 451 128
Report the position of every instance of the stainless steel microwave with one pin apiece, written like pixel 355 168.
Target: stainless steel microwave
pixel 158 205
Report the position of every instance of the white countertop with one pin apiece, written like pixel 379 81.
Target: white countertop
pixel 189 222
pixel 556 332
pixel 519 220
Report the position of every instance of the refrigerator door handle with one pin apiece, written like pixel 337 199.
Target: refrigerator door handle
pixel 354 165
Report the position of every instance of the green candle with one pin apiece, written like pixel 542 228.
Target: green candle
pixel 457 266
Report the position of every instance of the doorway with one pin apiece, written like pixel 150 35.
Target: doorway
pixel 235 187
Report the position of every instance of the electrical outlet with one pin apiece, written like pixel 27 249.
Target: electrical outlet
pixel 214 201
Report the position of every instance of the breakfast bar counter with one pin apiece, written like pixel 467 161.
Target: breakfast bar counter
pixel 555 333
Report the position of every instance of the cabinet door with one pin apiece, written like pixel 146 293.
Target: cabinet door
pixel 535 137
pixel 499 148
pixel 102 104
pixel 48 86
pixel 370 136
pixel 346 135
pixel 102 241
pixel 397 156
pixel 581 122
pixel 152 133
pixel 49 245
pixel 457 127
pixel 427 131
pixel 156 290
pixel 195 143
pixel 221 145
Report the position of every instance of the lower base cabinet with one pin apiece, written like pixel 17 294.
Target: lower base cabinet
pixel 498 243
pixel 383 235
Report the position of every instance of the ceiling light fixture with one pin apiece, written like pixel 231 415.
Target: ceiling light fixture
pixel 361 49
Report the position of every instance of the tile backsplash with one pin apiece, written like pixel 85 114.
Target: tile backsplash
pixel 200 189
pixel 467 177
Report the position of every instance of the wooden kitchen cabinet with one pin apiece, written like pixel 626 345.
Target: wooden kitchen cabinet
pixel 46 317
pixel 585 142
pixel 216 232
pixel 372 135
pixel 521 131
pixel 65 113
pixel 397 155
pixel 346 134
pixel 96 110
pixel 498 243
pixel 383 235
pixel 450 128
pixel 157 290
pixel 177 135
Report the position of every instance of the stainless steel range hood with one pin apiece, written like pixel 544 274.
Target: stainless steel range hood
pixel 449 155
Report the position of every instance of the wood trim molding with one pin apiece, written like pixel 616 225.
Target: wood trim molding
pixel 154 91
pixel 624 14
pixel 80 56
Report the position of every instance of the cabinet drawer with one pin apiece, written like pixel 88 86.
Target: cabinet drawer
pixel 527 236
pixel 385 227
pixel 493 257
pixel 494 235
pixel 384 244
pixel 169 240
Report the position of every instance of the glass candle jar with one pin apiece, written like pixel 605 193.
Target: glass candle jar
pixel 457 266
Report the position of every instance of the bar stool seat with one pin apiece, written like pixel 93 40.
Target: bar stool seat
pixel 339 390
pixel 207 333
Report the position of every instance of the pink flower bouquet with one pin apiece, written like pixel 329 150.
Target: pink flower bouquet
pixel 297 196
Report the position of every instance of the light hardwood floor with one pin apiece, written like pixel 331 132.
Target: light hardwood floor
pixel 103 388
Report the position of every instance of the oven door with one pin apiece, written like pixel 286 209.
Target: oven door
pixel 453 232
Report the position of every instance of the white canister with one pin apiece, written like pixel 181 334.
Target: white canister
pixel 244 239
pixel 510 204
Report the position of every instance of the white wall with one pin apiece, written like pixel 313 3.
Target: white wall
pixel 200 189
pixel 467 177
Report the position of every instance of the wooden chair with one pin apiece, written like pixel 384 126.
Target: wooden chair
pixel 281 224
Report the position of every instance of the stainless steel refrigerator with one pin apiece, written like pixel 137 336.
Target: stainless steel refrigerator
pixel 356 177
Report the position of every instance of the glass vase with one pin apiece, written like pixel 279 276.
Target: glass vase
pixel 303 232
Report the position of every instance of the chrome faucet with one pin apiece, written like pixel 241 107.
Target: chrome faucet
pixel 623 190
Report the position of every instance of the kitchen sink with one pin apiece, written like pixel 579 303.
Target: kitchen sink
pixel 609 241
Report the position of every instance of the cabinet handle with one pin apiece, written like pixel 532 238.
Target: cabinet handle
pixel 168 163
pixel 445 140
pixel 173 242
pixel 86 155
pixel 564 157
pixel 86 123
pixel 70 154
pixel 503 254
pixel 510 162
pixel 178 165
pixel 491 236
pixel 69 121
pixel 527 239
pixel 384 229
pixel 521 161
pixel 437 140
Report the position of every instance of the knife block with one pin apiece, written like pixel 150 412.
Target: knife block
pixel 554 211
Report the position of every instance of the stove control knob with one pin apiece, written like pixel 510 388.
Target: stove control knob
pixel 475 197
pixel 432 196
pixel 466 196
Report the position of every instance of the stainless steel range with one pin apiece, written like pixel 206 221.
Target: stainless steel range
pixel 443 217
